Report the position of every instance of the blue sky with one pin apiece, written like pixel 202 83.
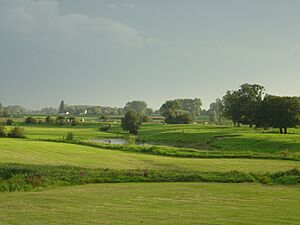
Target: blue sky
pixel 107 52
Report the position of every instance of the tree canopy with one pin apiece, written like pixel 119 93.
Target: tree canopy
pixel 215 111
pixel 131 121
pixel 190 106
pixel 248 105
pixel 278 112
pixel 240 105
pixel 173 112
pixel 138 106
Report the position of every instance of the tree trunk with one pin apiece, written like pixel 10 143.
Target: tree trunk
pixel 285 130
pixel 281 131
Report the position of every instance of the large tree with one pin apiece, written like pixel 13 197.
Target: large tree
pixel 278 112
pixel 138 106
pixel 173 113
pixel 240 105
pixel 169 110
pixel 215 111
pixel 191 106
pixel 131 121
pixel 231 107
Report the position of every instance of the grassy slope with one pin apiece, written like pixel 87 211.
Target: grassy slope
pixel 38 152
pixel 195 136
pixel 225 138
pixel 154 203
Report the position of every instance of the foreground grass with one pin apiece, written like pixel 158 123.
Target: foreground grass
pixel 49 153
pixel 154 203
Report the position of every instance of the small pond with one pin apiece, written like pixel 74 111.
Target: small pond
pixel 118 141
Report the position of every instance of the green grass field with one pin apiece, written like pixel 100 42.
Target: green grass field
pixel 61 132
pixel 222 137
pixel 49 153
pixel 154 203
pixel 50 166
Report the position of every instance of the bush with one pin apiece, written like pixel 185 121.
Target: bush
pixel 17 132
pixel 184 118
pixel 74 122
pixel 30 120
pixel 105 128
pixel 131 140
pixel 2 131
pixel 70 136
pixel 60 120
pixel 104 118
pixel 9 122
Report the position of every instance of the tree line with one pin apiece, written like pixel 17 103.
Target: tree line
pixel 177 111
pixel 250 105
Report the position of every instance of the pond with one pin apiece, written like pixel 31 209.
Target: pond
pixel 118 141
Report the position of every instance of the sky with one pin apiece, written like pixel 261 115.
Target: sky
pixel 109 52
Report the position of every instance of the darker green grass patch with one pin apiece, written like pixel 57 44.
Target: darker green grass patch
pixel 18 177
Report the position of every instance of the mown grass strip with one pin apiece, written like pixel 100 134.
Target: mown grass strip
pixel 184 152
pixel 19 177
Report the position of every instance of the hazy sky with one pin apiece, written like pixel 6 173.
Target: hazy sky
pixel 107 52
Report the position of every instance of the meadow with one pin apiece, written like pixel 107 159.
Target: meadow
pixel 52 153
pixel 206 174
pixel 154 203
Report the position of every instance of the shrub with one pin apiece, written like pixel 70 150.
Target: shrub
pixel 17 132
pixel 60 120
pixel 74 122
pixel 70 136
pixel 9 122
pixel 104 118
pixel 105 128
pixel 131 140
pixel 2 131
pixel 184 118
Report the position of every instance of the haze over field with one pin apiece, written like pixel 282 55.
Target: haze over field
pixel 108 52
